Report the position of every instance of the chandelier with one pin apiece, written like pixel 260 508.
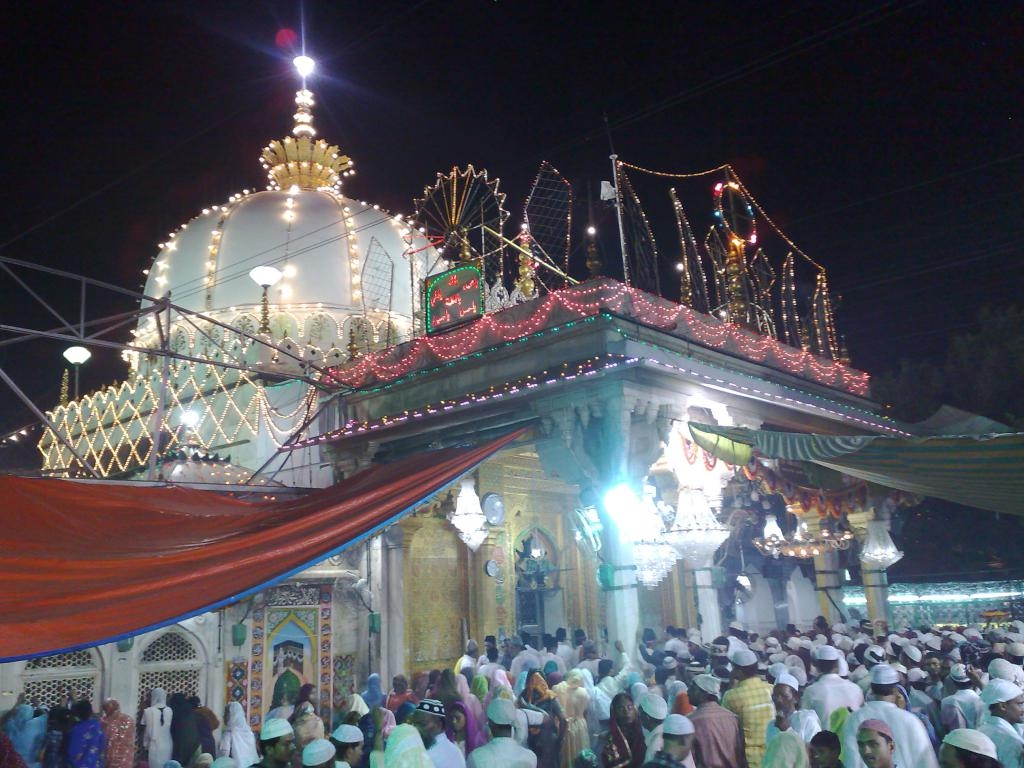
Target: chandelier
pixel 468 517
pixel 695 532
pixel 802 544
pixel 654 560
pixel 879 550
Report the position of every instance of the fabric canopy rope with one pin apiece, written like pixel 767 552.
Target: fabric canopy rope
pixel 84 564
pixel 984 471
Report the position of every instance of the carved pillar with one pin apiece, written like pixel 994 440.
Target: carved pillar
pixel 828 584
pixel 392 645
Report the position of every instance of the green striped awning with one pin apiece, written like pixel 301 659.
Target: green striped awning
pixel 980 471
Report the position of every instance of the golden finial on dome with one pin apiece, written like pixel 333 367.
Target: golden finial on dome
pixel 298 161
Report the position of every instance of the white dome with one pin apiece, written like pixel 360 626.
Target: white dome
pixel 334 251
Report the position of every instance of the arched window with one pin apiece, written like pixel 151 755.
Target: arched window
pixel 171 662
pixel 48 679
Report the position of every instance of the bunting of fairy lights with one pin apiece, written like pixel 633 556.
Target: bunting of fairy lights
pixel 589 300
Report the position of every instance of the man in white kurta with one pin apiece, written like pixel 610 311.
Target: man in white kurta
pixel 913 747
pixel 501 751
pixel 962 709
pixel 830 692
pixel 429 721
pixel 788 716
pixel 1005 703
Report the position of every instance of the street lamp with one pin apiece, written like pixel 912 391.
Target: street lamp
pixel 265 276
pixel 76 356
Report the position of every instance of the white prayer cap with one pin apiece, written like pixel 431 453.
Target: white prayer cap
pixel 1001 669
pixel 998 647
pixel 708 684
pixel 874 655
pixel 777 658
pixel 916 675
pixel 972 633
pixel 777 669
pixel 998 691
pixel 1015 649
pixel 957 637
pixel 274 727
pixel 793 643
pixel 737 625
pixel 743 657
pixel 826 653
pixel 858 673
pixel 771 642
pixel 839 627
pixel 972 741
pixel 820 639
pixel 883 674
pixel 501 712
pixel 912 652
pixel 669 662
pixel 933 642
pixel 844 668
pixel 844 643
pixel 955 654
pixel 637 691
pixel 795 662
pixel 318 752
pixel 677 725
pixel 899 667
pixel 787 679
pixel 805 642
pixel 958 673
pixel 799 674
pixel 347 734
pixel 758 645
pixel 654 706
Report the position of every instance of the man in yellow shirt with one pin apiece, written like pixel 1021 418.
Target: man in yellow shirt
pixel 750 699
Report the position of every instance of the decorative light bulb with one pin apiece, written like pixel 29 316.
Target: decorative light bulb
pixel 304 65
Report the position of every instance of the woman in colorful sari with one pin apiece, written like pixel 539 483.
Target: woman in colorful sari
pixel 86 743
pixel 472 703
pixel 545 740
pixel 624 746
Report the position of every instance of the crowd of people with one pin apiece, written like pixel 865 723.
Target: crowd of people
pixel 837 696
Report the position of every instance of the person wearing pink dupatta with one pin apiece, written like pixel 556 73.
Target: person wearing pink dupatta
pixel 463 728
pixel 472 702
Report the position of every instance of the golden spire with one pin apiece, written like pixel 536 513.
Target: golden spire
pixel 297 161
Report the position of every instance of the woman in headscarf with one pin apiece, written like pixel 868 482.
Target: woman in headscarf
pixel 308 725
pixel 467 697
pixel 573 699
pixel 446 689
pixel 598 708
pixel 499 681
pixel 399 694
pixel 462 728
pixel 480 688
pixel 26 733
pixel 184 730
pixel 156 719
pixel 624 746
pixel 86 742
pixel 404 749
pixel 237 739
pixel 119 729
pixel 373 695
pixel 546 740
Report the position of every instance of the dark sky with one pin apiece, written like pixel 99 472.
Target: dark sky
pixel 885 138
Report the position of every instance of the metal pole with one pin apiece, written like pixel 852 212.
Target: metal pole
pixel 618 213
pixel 161 403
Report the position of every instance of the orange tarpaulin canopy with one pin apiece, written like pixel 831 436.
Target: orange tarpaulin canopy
pixel 86 563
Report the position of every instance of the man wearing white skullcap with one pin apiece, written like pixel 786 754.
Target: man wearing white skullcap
pixel 920 702
pixel 1005 703
pixel 277 743
pixel 348 740
pixel 830 692
pixel 718 734
pixel 653 711
pixel 960 747
pixel 913 747
pixel 750 699
pixel 502 750
pixel 788 715
pixel 963 708
pixel 677 744
pixel 319 753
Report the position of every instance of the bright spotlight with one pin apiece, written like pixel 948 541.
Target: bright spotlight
pixel 621 502
pixel 189 418
pixel 304 65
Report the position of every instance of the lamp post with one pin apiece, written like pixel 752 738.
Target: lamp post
pixel 76 356
pixel 265 276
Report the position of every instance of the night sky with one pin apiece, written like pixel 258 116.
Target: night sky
pixel 884 138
